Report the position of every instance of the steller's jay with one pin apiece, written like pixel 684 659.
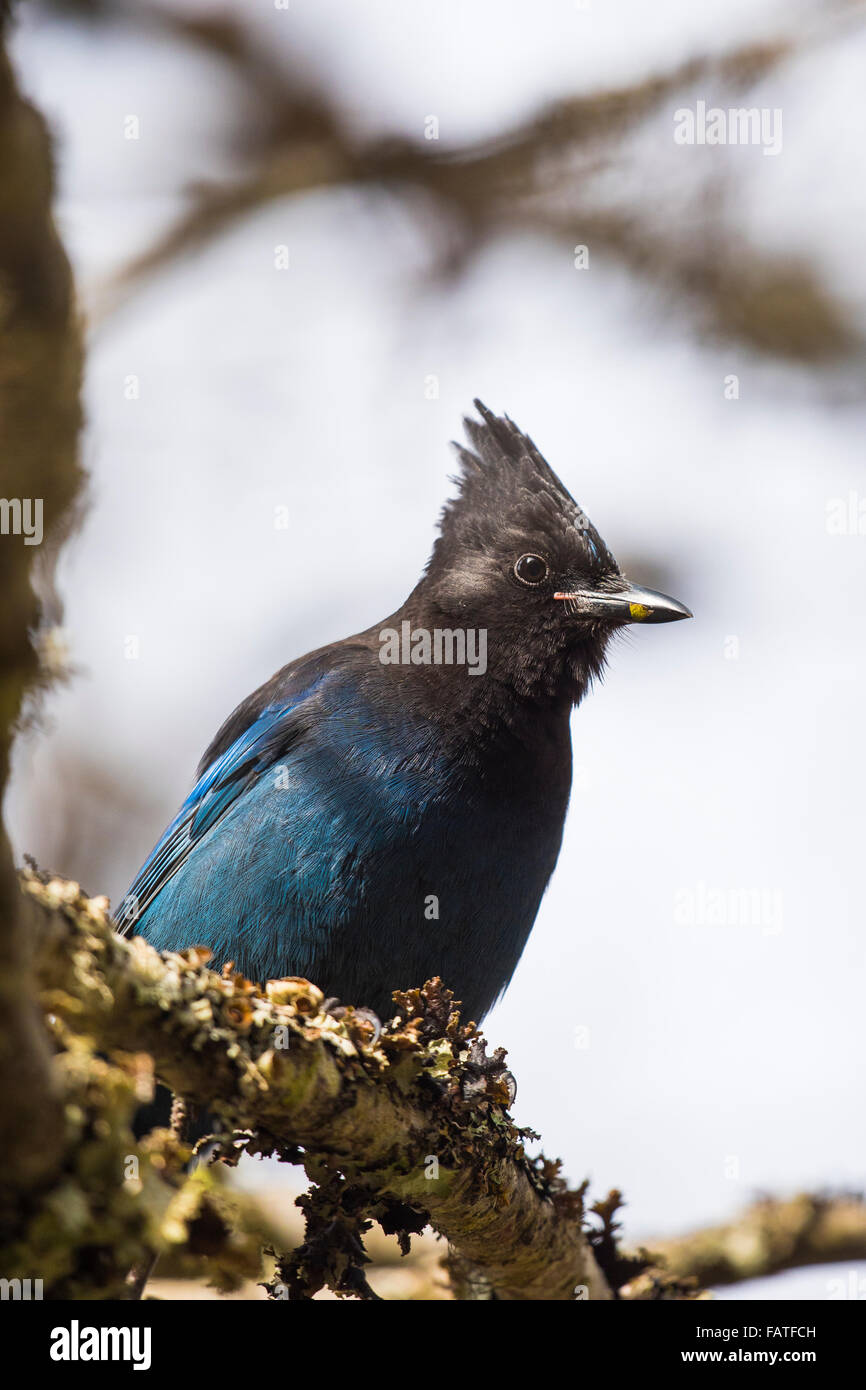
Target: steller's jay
pixel 390 807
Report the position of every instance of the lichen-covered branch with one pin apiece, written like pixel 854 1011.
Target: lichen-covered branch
pixel 403 1126
pixel 413 1119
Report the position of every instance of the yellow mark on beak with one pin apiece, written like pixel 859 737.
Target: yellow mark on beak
pixel 639 611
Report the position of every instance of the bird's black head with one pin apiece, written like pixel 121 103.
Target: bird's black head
pixel 518 557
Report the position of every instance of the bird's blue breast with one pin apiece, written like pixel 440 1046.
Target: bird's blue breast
pixel 338 839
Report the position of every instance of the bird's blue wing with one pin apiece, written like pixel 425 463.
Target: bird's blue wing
pixel 268 738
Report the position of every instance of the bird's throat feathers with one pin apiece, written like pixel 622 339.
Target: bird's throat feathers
pixel 490 672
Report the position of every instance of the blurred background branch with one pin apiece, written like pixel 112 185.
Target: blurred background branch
pixel 551 175
pixel 770 1236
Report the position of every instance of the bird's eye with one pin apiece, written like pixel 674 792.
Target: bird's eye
pixel 531 569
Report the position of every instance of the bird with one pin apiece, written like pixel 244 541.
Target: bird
pixel 389 808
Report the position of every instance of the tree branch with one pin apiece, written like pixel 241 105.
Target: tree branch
pixel 415 1117
pixel 769 1237
pixel 536 177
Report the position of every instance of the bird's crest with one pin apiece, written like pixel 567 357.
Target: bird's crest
pixel 502 472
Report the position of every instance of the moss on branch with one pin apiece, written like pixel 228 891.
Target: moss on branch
pixel 412 1120
pixel 404 1126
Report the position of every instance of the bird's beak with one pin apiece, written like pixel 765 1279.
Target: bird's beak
pixel 629 604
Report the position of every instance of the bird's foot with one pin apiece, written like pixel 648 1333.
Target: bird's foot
pixel 333 1007
pixel 488 1076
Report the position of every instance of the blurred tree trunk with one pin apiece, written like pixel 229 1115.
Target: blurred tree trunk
pixel 40 365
